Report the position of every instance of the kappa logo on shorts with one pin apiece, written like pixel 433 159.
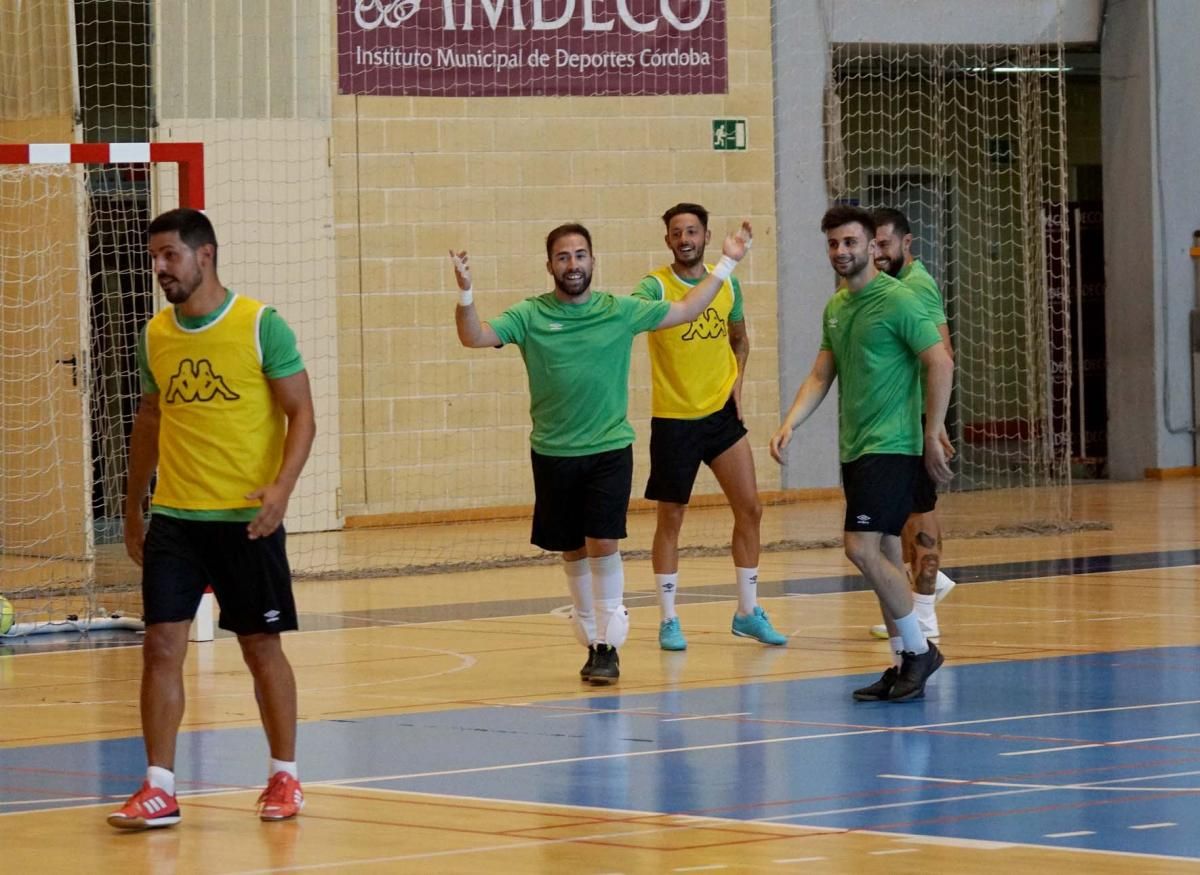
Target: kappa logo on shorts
pixel 863 520
pixel 196 381
pixel 271 616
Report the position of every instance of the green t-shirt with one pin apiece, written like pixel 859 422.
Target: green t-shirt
pixel 876 336
pixel 577 358
pixel 917 278
pixel 649 289
pixel 280 358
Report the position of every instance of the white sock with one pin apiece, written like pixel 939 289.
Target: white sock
pixel 579 582
pixel 896 645
pixel 923 605
pixel 667 585
pixel 278 766
pixel 747 583
pixel 608 589
pixel 910 630
pixel 163 779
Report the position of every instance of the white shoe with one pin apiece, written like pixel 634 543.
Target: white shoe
pixel 879 631
pixel 929 625
pixel 942 587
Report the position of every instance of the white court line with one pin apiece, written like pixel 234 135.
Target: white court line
pixel 1114 709
pixel 706 717
pixel 800 860
pixel 1069 835
pixel 1006 789
pixel 708 868
pixel 597 757
pixel 1020 753
pixel 891 851
pixel 1163 825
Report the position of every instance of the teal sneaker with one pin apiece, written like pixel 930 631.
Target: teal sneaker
pixel 670 636
pixel 758 627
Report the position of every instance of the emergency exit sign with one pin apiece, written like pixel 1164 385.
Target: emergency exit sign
pixel 729 134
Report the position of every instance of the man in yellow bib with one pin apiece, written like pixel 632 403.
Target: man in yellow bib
pixel 697 371
pixel 226 418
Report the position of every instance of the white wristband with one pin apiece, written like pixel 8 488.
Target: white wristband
pixel 724 268
pixel 465 297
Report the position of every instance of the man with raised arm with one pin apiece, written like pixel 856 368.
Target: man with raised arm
pixel 875 338
pixel 697 370
pixel 576 343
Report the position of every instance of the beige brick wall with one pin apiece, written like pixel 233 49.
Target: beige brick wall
pixel 427 425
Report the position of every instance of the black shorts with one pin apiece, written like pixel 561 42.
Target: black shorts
pixel 924 491
pixel 580 496
pixel 678 446
pixel 879 492
pixel 251 579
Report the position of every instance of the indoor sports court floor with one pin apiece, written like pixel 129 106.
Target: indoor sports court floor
pixel 444 728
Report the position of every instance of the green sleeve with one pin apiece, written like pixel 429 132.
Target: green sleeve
pixel 913 324
pixel 149 387
pixel 280 356
pixel 649 289
pixel 735 314
pixel 643 315
pixel 511 325
pixel 826 343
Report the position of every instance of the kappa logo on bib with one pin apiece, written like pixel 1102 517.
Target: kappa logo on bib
pixel 196 381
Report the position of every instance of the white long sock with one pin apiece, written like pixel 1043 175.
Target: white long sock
pixel 923 605
pixel 163 779
pixel 910 630
pixel 667 585
pixel 608 589
pixel 282 766
pixel 896 645
pixel 579 582
pixel 747 584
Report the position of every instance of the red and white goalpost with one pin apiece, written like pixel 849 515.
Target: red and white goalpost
pixel 75 290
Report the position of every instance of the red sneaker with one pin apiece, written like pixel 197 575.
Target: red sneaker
pixel 282 799
pixel 148 808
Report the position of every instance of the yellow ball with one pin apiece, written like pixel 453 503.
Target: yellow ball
pixel 6 615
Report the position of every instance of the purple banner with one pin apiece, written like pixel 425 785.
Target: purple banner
pixel 481 48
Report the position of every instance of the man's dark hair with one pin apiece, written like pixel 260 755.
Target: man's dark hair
pixel 195 230
pixel 563 231
pixel 895 218
pixel 686 209
pixel 844 214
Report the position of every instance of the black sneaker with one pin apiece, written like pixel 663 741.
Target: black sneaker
pixel 879 690
pixel 606 667
pixel 914 671
pixel 585 673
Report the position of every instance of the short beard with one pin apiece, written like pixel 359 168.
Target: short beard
pixel 697 258
pixel 894 266
pixel 587 284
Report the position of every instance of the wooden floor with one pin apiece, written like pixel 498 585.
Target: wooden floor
pixel 405 673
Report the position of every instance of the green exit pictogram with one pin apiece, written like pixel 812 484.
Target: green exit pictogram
pixel 729 134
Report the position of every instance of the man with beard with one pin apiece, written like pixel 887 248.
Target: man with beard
pixel 875 337
pixel 226 417
pixel 576 344
pixel 697 371
pixel 922 536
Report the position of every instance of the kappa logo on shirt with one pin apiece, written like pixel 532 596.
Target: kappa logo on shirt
pixel 707 326
pixel 196 381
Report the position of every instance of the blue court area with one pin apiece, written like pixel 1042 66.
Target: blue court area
pixel 1100 751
